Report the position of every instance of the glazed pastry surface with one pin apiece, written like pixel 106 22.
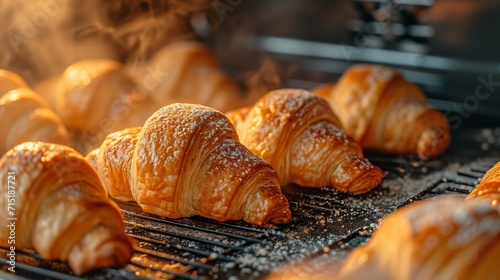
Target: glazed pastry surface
pixel 384 112
pixel 62 208
pixel 438 238
pixel 302 138
pixel 186 160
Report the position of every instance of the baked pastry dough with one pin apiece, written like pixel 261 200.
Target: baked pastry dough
pixel 98 95
pixel 187 72
pixel 61 207
pixel 185 161
pixel 489 188
pixel 439 238
pixel 113 161
pixel 300 136
pixel 384 112
pixel 9 81
pixel 26 117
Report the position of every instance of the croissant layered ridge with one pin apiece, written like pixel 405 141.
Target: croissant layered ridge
pixel 187 161
pixel 62 208
pixel 301 137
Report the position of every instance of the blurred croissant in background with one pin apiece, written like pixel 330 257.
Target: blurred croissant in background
pixel 383 111
pixel 25 115
pixel 95 97
pixel 188 72
pixel 69 31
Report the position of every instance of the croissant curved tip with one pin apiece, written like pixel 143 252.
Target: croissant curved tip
pixel 367 181
pixel 433 142
pixel 115 251
pixel 281 215
pixel 268 205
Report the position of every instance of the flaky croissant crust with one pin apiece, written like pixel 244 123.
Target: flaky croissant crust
pixel 187 160
pixel 438 238
pixel 62 208
pixel 298 133
pixel 384 112
pixel 25 117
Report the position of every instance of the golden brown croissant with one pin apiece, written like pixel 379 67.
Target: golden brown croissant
pixel 300 136
pixel 187 72
pixel 113 161
pixel 26 117
pixel 489 188
pixel 9 81
pixel 383 111
pixel 61 207
pixel 99 95
pixel 439 238
pixel 187 160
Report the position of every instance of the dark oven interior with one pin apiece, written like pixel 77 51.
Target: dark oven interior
pixel 449 48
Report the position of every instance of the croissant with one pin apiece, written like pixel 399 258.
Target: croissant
pixel 439 238
pixel 301 137
pixel 98 94
pixel 113 161
pixel 187 72
pixel 26 117
pixel 186 160
pixel 9 81
pixel 384 112
pixel 61 207
pixel 489 188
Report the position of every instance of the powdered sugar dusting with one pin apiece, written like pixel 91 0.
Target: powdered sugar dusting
pixel 316 152
pixel 268 119
pixel 277 119
pixel 190 154
pixel 232 157
pixel 167 134
pixel 381 74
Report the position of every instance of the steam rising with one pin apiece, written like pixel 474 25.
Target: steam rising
pixel 265 79
pixel 140 28
pixel 41 38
